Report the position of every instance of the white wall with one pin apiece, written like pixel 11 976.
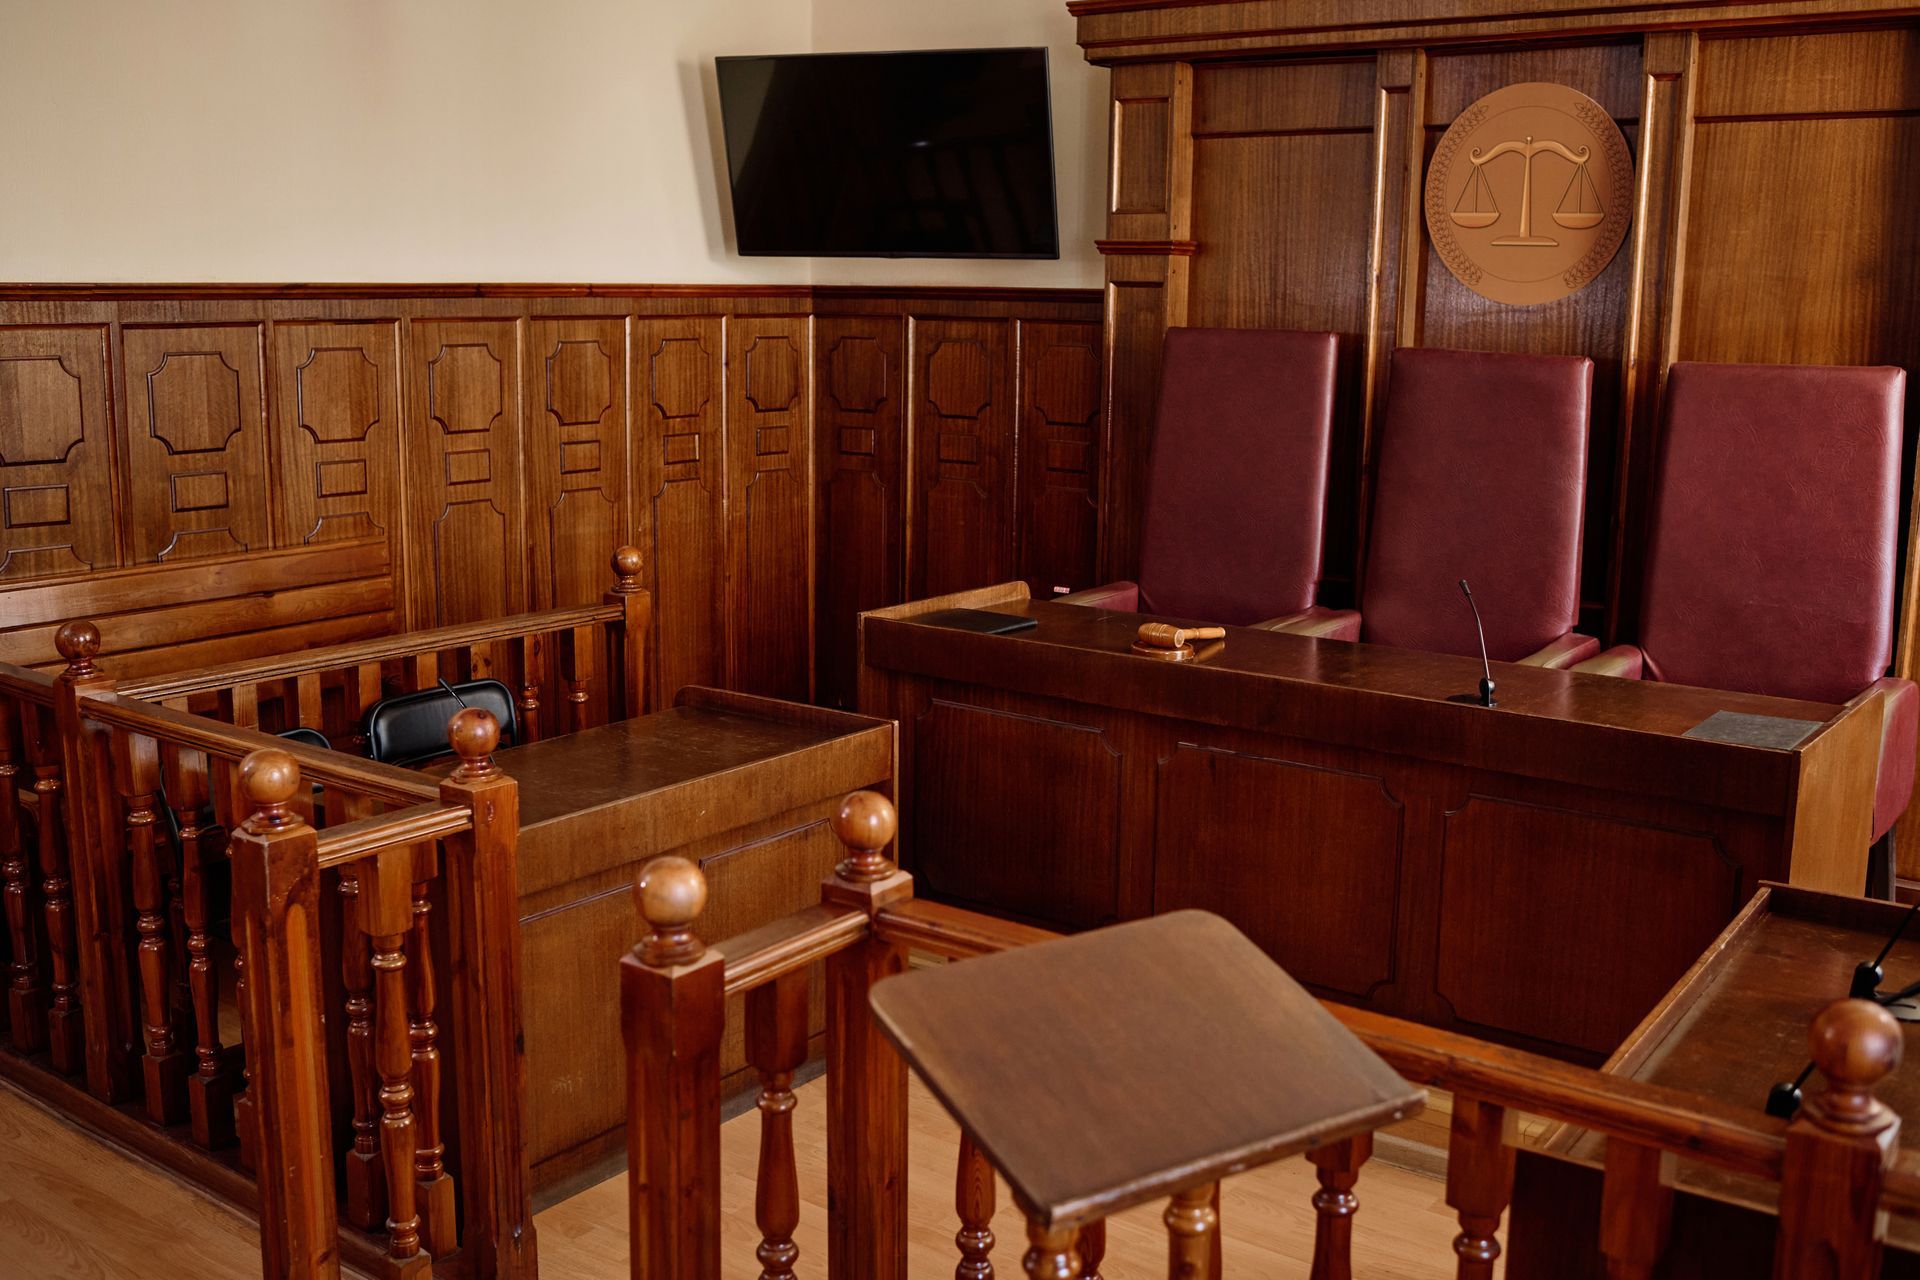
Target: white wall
pixel 441 140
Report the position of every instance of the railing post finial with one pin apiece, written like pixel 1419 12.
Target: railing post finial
pixel 626 571
pixel 79 643
pixel 866 824
pixel 269 780
pixel 671 893
pixel 473 734
pixel 1856 1044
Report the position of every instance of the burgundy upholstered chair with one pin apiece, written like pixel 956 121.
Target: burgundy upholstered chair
pixel 1482 476
pixel 1237 480
pixel 1776 525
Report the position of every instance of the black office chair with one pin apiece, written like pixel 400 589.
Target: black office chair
pixel 411 728
pixel 300 733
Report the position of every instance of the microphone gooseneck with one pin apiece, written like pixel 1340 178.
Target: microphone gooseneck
pixel 1486 665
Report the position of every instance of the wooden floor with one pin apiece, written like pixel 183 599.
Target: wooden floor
pixel 137 1221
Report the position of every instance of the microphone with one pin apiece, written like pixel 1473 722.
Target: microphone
pixel 1783 1099
pixel 1486 667
pixel 452 692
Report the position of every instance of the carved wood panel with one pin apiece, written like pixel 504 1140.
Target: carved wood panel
pixel 1289 847
pixel 769 487
pixel 1059 453
pixel 963 423
pixel 576 456
pixel 682 476
pixel 57 504
pixel 336 433
pixel 860 381
pixel 1612 887
pixel 1063 871
pixel 466 514
pixel 196 442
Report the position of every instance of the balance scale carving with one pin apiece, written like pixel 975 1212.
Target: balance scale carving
pixel 1579 209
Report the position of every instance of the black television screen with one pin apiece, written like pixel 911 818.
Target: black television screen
pixel 939 154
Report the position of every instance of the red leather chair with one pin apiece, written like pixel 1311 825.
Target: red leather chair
pixel 1482 476
pixel 1237 481
pixel 1776 525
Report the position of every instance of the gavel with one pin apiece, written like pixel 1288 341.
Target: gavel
pixel 1163 635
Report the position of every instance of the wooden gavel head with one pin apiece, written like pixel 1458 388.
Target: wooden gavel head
pixel 1163 635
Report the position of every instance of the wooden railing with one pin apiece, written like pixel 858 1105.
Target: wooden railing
pixel 236 953
pixel 569 669
pixel 1835 1164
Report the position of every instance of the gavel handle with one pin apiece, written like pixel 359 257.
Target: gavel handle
pixel 1167 636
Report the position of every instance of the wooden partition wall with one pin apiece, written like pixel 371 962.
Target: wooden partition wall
pixel 784 456
pixel 1268 165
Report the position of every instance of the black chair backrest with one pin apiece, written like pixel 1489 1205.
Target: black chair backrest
pixel 411 728
pixel 312 737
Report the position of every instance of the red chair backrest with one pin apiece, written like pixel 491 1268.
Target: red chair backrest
pixel 1237 483
pixel 1775 529
pixel 1482 475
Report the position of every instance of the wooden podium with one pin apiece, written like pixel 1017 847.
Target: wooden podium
pixel 1538 873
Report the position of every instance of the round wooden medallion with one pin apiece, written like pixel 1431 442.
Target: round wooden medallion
pixel 1529 194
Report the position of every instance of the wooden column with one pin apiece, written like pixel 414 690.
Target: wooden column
pixel 26 928
pixel 776 1046
pixel 1653 303
pixel 277 909
pixel 1092 1248
pixel 1636 1209
pixel 866 1078
pixel 165 1065
pixel 483 949
pixel 201 851
pixel 1192 1227
pixel 1334 1204
pixel 385 901
pixel 433 1186
pixel 632 632
pixel 365 1182
pixel 673 1011
pixel 973 1188
pixel 1148 250
pixel 1050 1253
pixel 1839 1149
pixel 1479 1182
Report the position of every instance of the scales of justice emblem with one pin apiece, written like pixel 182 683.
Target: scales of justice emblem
pixel 1486 185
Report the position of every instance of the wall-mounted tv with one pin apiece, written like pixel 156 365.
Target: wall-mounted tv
pixel 937 154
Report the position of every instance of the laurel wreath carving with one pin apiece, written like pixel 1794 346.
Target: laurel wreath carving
pixel 1439 227
pixel 1620 201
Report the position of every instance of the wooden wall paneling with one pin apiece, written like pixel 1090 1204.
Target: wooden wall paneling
pixel 963 424
pixel 1592 322
pixel 859 398
pixel 195 441
pixel 770 506
pixel 467 529
pixel 1059 456
pixel 1286 167
pixel 335 456
pixel 1148 250
pixel 576 456
pixel 1653 300
pixel 57 502
pixel 1801 237
pixel 679 438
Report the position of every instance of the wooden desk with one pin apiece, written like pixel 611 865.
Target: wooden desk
pixel 1464 867
pixel 745 785
pixel 1735 1024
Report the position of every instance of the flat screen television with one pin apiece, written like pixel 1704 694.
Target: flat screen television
pixel 938 154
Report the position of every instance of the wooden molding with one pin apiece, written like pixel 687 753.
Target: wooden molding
pixel 23 291
pixel 1148 248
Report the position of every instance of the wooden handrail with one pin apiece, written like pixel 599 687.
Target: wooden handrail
pixel 352 841
pixel 789 944
pixel 379 649
pixel 24 685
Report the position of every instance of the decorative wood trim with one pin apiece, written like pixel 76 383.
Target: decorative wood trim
pixel 26 291
pixel 1148 248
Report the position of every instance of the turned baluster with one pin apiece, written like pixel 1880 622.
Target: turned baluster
pixel 366 1183
pixel 386 916
pixel 776 1046
pixel 210 1088
pixel 1839 1148
pixel 1192 1223
pixel 164 1067
pixel 673 1010
pixel 1334 1204
pixel 973 1197
pixel 532 658
pixel 636 620
pixel 1091 1245
pixel 1050 1253
pixel 433 1186
pixel 1479 1181
pixel 582 642
pixel 423 670
pixel 66 1030
pixel 230 808
pixel 26 998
